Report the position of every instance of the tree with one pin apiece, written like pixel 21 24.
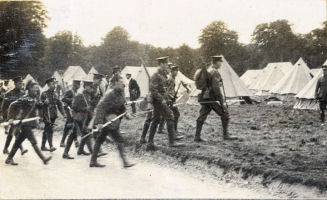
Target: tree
pixel 217 39
pixel 21 38
pixel 62 50
pixel 276 40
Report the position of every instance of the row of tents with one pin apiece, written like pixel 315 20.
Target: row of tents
pixel 286 81
pixel 282 79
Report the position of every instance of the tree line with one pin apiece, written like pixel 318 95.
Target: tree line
pixel 24 48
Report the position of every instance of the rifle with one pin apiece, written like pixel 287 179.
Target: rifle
pixel 15 122
pixel 105 125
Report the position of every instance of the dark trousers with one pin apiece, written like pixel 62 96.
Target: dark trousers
pixel 322 106
pixel 48 133
pixel 162 110
pixel 10 136
pixel 115 135
pixel 204 112
pixel 78 129
pixel 133 107
pixel 68 127
pixel 146 125
pixel 176 114
pixel 26 132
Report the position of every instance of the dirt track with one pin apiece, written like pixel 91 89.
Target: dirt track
pixel 276 143
pixel 74 179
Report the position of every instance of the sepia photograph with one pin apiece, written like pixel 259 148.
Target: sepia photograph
pixel 163 99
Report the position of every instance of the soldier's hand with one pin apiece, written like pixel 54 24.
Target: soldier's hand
pixel 128 116
pixel 11 122
pixel 100 127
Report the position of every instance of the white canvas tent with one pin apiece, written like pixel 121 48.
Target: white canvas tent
pixel 305 98
pixel 294 81
pixel 91 73
pixel 60 81
pixel 73 73
pixel 233 85
pixel 315 71
pixel 140 75
pixel 250 75
pixel 27 78
pixel 270 76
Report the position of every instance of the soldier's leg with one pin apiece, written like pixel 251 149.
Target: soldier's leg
pixel 119 140
pixel 133 107
pixel 176 116
pixel 153 127
pixel 19 140
pixel 98 142
pixel 22 150
pixel 50 136
pixel 222 111
pixel 203 114
pixel 70 140
pixel 44 136
pixel 68 127
pixel 84 141
pixel 168 115
pixel 161 125
pixel 8 140
pixel 30 136
pixel 322 106
pixel 146 127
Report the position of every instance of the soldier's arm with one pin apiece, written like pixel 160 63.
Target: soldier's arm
pixel 154 89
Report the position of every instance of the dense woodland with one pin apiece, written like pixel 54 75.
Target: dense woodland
pixel 24 48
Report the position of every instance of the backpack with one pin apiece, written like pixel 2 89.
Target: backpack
pixel 201 78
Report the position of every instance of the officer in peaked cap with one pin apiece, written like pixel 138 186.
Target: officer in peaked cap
pixel 51 105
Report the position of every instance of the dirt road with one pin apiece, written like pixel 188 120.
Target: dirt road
pixel 74 179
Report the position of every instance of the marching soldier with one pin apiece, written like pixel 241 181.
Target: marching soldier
pixel 321 93
pixel 134 90
pixel 160 104
pixel 111 106
pixel 26 107
pixel 82 115
pixel 211 98
pixel 50 105
pixel 10 97
pixel 67 100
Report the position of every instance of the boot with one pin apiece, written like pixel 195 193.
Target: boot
pixel 50 138
pixel 89 145
pixel 96 164
pixel 322 117
pixel 67 156
pixel 197 137
pixel 10 161
pixel 96 150
pixel 80 150
pixel 43 148
pixel 23 151
pixel 171 134
pixel 142 140
pixel 39 153
pixel 5 151
pixel 76 143
pixel 225 131
pixel 64 135
pixel 126 164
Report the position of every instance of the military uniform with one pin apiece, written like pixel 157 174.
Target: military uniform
pixel 26 106
pixel 134 92
pixel 321 94
pixel 67 100
pixel 112 105
pixel 49 113
pixel 82 115
pixel 160 109
pixel 9 98
pixel 209 94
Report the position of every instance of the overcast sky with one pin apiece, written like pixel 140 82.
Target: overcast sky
pixel 165 23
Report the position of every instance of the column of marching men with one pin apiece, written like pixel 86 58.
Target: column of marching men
pixel 94 114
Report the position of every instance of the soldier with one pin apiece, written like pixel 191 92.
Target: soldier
pixel 134 90
pixel 160 104
pixel 67 100
pixel 4 90
pixel 112 105
pixel 115 76
pixel 10 97
pixel 212 94
pixel 50 105
pixel 26 107
pixel 82 115
pixel 321 93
